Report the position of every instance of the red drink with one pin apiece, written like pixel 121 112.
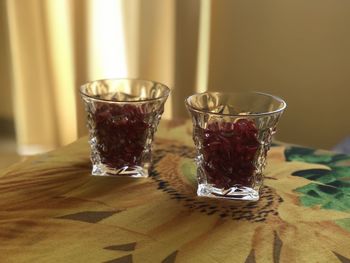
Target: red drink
pixel 228 151
pixel 121 133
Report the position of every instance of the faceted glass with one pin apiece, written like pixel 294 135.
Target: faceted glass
pixel 232 133
pixel 122 117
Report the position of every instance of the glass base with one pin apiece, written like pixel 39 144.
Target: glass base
pixel 125 171
pixel 235 192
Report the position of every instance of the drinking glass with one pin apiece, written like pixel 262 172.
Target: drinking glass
pixel 232 133
pixel 122 117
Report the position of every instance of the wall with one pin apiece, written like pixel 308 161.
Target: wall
pixel 297 49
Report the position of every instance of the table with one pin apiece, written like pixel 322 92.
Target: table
pixel 52 210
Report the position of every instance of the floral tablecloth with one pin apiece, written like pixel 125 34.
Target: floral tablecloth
pixel 52 210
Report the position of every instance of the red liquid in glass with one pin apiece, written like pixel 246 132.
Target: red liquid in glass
pixel 121 133
pixel 229 150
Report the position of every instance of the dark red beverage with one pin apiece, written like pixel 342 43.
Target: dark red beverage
pixel 229 150
pixel 121 133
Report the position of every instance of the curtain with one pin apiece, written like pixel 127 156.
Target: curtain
pixel 56 46
pixel 43 74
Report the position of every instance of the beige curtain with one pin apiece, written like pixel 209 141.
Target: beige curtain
pixel 296 49
pixel 58 45
pixel 43 73
pixel 6 111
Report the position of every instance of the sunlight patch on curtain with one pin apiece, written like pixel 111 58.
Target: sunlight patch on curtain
pixel 60 50
pixel 203 46
pixel 106 43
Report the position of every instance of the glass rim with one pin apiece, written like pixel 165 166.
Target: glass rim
pixel 125 101
pixel 281 109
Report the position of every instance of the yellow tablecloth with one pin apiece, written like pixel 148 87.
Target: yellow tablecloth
pixel 52 210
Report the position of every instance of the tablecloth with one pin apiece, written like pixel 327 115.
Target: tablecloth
pixel 52 210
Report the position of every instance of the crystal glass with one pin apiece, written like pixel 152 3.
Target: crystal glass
pixel 232 133
pixel 122 117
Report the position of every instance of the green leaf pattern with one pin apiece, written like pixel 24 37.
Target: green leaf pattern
pixel 328 188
